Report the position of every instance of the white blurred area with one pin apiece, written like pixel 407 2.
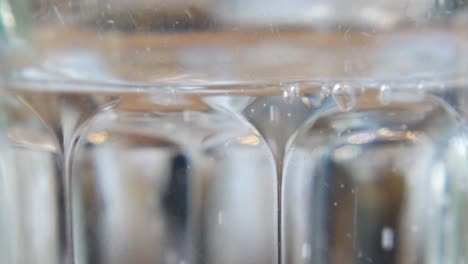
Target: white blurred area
pixel 321 13
pixel 316 14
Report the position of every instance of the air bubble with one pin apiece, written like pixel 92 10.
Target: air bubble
pixel 343 95
pixel 318 99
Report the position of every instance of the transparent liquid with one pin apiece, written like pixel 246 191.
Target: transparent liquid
pixel 216 148
pixel 151 183
pixel 381 185
pixel 190 176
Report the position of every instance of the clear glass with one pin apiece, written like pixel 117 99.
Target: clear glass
pixel 233 131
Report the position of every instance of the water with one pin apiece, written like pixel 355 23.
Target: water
pixel 274 148
pixel 191 176
pixel 30 194
pixel 151 181
pixel 381 183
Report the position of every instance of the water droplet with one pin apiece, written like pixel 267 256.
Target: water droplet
pixel 343 95
pixel 384 94
pixel 290 93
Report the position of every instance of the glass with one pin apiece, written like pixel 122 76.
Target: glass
pixel 233 131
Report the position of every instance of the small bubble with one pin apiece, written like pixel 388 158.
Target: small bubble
pixel 343 95
pixel 342 186
pixel 252 110
pixel 335 204
pixel 319 98
pixel 289 114
pixel 290 93
pixel 384 94
pixel 110 21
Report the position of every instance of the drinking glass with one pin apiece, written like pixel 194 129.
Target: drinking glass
pixel 233 131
